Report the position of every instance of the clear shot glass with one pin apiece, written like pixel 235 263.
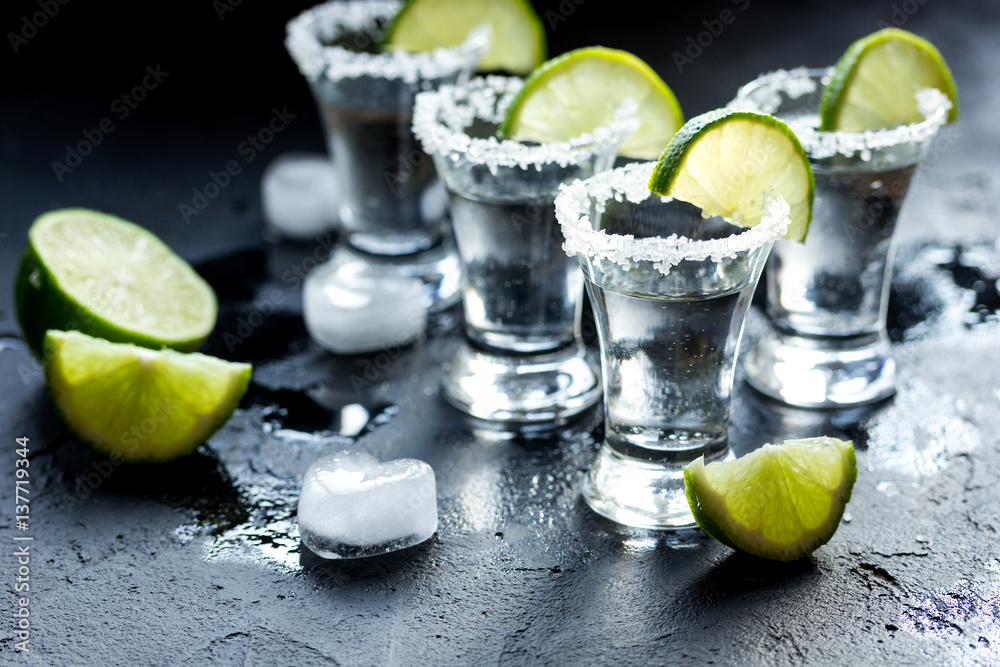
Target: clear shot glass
pixel 827 298
pixel 524 361
pixel 392 209
pixel 670 292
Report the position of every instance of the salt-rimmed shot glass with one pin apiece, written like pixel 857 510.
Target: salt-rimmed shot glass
pixel 524 361
pixel 392 212
pixel 827 299
pixel 670 292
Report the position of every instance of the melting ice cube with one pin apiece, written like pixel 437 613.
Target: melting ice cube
pixel 352 313
pixel 300 195
pixel 353 506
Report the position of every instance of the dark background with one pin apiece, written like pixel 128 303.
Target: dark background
pixel 197 562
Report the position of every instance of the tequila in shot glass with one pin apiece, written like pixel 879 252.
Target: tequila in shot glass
pixel 393 209
pixel 827 298
pixel 524 361
pixel 670 291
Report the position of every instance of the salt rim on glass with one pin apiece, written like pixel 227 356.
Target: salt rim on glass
pixel 441 118
pixel 309 34
pixel 764 95
pixel 576 200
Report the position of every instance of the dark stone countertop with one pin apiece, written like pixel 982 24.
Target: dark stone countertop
pixel 198 561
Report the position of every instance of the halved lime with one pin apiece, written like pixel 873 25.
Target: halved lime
pixel 99 274
pixel 581 90
pixel 724 161
pixel 780 501
pixel 138 404
pixel 874 84
pixel 517 43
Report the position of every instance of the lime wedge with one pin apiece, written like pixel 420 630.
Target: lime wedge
pixel 724 161
pixel 138 404
pixel 90 271
pixel 874 84
pixel 517 43
pixel 581 90
pixel 780 501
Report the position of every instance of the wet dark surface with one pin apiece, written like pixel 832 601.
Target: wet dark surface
pixel 199 562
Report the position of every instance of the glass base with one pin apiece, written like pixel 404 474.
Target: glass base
pixel 640 493
pixel 525 389
pixel 439 268
pixel 815 372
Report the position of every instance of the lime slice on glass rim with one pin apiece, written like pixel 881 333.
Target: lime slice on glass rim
pixel 780 501
pixel 138 404
pixel 725 161
pixel 581 90
pixel 874 84
pixel 94 272
pixel 517 42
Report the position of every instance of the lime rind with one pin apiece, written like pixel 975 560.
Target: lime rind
pixel 136 404
pixel 441 119
pixel 875 83
pixel 582 89
pixel 780 502
pixel 86 270
pixel 518 42
pixel 723 161
pixel 309 38
pixel 578 202
pixel 765 93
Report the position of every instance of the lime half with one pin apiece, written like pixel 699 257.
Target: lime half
pixel 725 161
pixel 874 84
pixel 138 404
pixel 581 90
pixel 517 44
pixel 99 274
pixel 780 501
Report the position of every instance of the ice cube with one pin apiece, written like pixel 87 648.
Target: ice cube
pixel 300 195
pixel 351 313
pixel 353 506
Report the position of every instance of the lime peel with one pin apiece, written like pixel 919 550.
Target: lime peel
pixel 136 404
pixel 582 89
pixel 724 162
pixel 876 83
pixel 442 117
pixel 91 271
pixel 780 501
pixel 309 36
pixel 629 183
pixel 517 43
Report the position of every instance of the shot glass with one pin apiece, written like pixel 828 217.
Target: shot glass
pixel 670 292
pixel 392 208
pixel 524 361
pixel 827 298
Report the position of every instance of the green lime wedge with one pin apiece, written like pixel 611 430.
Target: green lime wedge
pixel 781 501
pixel 99 274
pixel 139 404
pixel 724 161
pixel 874 84
pixel 581 90
pixel 517 43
